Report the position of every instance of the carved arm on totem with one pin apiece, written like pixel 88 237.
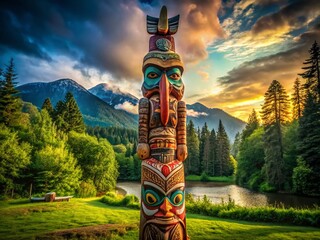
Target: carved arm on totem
pixel 182 151
pixel 143 149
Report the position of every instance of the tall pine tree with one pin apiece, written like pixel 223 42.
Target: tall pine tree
pixel 222 165
pixel 275 113
pixel 48 106
pixel 212 152
pixel 10 103
pixel 192 161
pixel 312 70
pixel 309 144
pixel 252 124
pixel 297 99
pixel 203 153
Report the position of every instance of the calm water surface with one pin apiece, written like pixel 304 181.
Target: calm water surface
pixel 219 192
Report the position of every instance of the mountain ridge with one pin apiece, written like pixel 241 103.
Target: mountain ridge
pixel 102 112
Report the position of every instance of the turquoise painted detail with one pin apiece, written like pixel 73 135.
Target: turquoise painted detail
pixel 152 76
pixel 153 199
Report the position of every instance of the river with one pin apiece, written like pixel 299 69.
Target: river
pixel 218 192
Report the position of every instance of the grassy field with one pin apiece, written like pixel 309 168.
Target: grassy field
pixel 23 220
pixel 229 179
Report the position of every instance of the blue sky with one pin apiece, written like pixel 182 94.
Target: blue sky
pixel 232 50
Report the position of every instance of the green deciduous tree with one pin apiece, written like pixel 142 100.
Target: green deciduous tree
pixel 96 159
pixel 250 160
pixel 275 113
pixel 56 170
pixel 14 158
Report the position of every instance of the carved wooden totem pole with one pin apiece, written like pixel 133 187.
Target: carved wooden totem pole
pixel 162 135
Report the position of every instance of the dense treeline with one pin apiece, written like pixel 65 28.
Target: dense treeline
pixel 283 152
pixel 124 143
pixel 208 152
pixel 48 149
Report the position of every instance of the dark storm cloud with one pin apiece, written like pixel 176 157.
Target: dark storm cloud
pixel 108 36
pixel 293 15
pixel 90 32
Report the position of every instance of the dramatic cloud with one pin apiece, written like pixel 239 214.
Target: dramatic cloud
pixel 107 36
pixel 127 106
pixel 193 113
pixel 245 85
pixel 270 33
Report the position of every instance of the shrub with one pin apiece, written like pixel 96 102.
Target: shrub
pixel 87 189
pixel 129 201
pixel 305 217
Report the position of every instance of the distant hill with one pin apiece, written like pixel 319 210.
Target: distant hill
pixel 94 110
pixel 211 116
pixel 113 96
pixel 97 105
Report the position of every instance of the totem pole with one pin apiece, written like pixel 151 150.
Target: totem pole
pixel 162 135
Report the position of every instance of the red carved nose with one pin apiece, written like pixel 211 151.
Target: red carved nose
pixel 164 99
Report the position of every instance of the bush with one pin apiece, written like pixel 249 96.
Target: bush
pixel 266 187
pixel 204 177
pixel 129 201
pixel 87 189
pixel 304 217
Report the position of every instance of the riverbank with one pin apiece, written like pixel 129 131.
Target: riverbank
pixel 202 178
pixel 21 219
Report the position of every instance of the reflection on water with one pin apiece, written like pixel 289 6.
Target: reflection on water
pixel 218 192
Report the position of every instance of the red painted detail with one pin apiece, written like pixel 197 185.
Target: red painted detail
pixel 165 170
pixel 164 99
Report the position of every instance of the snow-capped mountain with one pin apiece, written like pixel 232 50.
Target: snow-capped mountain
pixel 94 110
pixel 113 96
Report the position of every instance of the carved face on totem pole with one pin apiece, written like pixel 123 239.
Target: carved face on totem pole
pixel 162 135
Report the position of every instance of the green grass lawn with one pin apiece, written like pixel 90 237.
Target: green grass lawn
pixel 24 220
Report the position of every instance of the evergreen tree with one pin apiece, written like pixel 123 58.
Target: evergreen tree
pixel 72 115
pixel 203 153
pixel 252 124
pixel 222 165
pixel 275 113
pixel 309 144
pixel 212 153
pixel 236 145
pixel 10 103
pixel 312 70
pixel 297 99
pixel 192 161
pixel 48 106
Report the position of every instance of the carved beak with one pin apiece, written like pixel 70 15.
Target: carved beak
pixel 164 99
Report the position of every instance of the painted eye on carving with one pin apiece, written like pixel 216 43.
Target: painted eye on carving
pixel 151 198
pixel 152 75
pixel 177 198
pixel 175 76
